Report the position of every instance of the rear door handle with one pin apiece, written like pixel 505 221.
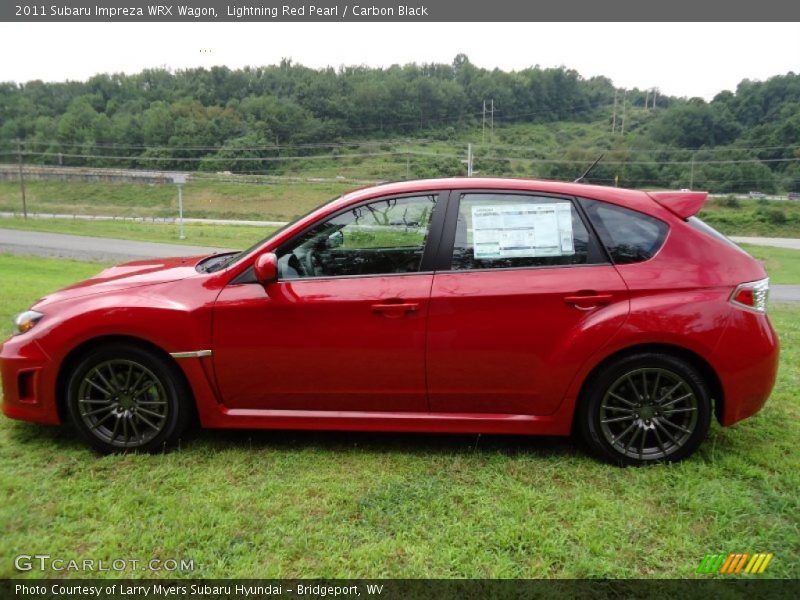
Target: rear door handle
pixel 395 310
pixel 589 300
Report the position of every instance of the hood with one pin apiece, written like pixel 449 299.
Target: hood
pixel 128 275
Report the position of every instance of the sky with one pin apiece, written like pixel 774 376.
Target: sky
pixel 682 59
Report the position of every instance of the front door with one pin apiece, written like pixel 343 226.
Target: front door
pixel 344 327
pixel 528 297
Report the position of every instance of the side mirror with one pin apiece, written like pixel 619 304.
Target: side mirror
pixel 335 239
pixel 266 269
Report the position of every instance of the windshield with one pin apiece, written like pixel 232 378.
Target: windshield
pixel 217 262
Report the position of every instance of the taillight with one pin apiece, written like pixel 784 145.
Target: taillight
pixel 752 295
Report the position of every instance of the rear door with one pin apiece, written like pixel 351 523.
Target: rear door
pixel 524 294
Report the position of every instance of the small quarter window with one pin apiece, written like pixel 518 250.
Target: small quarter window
pixel 628 235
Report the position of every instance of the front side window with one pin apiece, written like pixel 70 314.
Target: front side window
pixel 383 237
pixel 628 235
pixel 496 231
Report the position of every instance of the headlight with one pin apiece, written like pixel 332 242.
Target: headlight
pixel 25 321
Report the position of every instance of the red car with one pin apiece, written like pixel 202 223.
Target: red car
pixel 451 305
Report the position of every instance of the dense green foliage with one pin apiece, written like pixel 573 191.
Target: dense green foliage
pixel 264 119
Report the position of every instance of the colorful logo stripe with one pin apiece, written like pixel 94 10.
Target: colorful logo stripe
pixel 735 562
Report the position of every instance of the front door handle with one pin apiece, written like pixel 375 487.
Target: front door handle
pixel 588 300
pixel 395 310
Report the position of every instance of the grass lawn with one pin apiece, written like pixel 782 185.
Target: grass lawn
pixel 782 264
pixel 288 504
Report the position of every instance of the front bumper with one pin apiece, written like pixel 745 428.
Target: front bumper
pixel 29 381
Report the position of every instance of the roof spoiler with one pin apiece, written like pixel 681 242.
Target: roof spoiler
pixel 683 204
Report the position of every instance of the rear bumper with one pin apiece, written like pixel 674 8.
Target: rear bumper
pixel 746 361
pixel 28 377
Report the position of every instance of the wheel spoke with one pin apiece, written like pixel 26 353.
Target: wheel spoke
pixel 97 411
pixel 666 431
pixel 101 421
pixel 621 435
pixel 678 427
pixel 633 386
pixel 108 384
pixel 135 429
pixel 633 437
pixel 128 377
pixel 115 431
pixel 94 401
pixel 679 410
pixel 658 440
pixel 99 388
pixel 618 419
pixel 619 409
pixel 669 393
pixel 655 386
pixel 142 389
pixel 150 412
pixel 676 400
pixel 621 399
pixel 147 421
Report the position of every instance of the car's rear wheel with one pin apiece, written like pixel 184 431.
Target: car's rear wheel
pixel 645 408
pixel 125 397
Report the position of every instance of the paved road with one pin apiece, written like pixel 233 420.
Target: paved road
pixel 792 243
pixel 81 247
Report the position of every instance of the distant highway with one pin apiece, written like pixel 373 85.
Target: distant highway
pixel 80 247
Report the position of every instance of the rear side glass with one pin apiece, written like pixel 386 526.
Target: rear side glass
pixel 501 231
pixel 628 235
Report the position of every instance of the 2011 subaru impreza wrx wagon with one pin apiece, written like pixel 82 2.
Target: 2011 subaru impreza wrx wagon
pixel 451 305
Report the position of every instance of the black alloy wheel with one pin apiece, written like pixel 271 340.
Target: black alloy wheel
pixel 126 397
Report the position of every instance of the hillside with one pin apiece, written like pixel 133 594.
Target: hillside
pixel 408 121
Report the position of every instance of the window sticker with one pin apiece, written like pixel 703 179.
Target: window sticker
pixel 522 230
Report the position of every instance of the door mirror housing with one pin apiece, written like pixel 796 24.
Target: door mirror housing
pixel 335 239
pixel 266 268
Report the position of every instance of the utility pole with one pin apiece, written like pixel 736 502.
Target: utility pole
pixel 21 179
pixel 469 160
pixel 491 137
pixel 655 94
pixel 483 124
pixel 691 176
pixel 624 102
pixel 614 115
pixel 646 99
pixel 179 180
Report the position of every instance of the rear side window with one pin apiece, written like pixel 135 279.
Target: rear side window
pixel 501 231
pixel 628 235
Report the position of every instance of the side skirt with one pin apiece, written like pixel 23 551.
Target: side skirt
pixel 382 421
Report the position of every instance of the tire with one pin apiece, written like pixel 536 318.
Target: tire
pixel 124 397
pixel 645 408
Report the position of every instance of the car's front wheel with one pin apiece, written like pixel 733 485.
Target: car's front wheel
pixel 125 397
pixel 645 408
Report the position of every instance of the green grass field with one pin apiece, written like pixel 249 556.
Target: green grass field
pixel 289 504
